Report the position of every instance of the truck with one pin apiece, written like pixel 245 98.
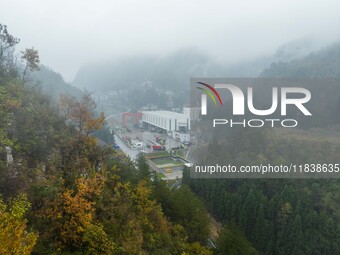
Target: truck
pixel 158 148
pixel 160 140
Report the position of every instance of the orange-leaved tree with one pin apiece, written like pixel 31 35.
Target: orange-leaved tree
pixel 81 154
pixel 73 210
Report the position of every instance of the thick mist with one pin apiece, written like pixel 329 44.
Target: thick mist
pixel 71 34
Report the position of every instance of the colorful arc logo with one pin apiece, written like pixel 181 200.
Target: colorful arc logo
pixel 211 91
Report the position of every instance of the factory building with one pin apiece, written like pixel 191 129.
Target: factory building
pixel 167 120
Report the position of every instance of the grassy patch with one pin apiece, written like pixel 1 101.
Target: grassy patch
pixel 160 175
pixel 157 154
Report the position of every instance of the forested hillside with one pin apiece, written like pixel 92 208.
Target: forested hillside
pixel 288 216
pixel 291 216
pixel 62 192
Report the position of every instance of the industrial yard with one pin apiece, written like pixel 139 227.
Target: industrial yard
pixel 163 136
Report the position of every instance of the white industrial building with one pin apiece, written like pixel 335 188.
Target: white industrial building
pixel 167 120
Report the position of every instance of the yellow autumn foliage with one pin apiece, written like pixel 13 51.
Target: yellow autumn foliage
pixel 15 239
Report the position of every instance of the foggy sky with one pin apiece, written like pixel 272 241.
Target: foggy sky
pixel 71 33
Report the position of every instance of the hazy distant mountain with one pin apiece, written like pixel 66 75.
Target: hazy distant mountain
pixel 53 84
pixel 296 49
pixel 173 72
pixel 170 72
pixel 289 51
pixel 322 63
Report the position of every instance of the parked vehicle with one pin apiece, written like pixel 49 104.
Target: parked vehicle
pixel 158 148
pixel 160 140
pixel 138 145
